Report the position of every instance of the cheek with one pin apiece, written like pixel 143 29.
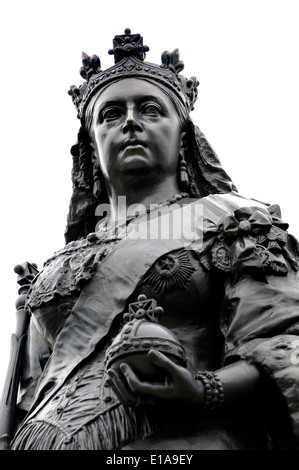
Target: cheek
pixel 169 139
pixel 103 139
pixel 106 138
pixel 99 139
pixel 100 149
pixel 175 138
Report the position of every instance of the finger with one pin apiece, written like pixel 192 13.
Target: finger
pixel 133 381
pixel 160 360
pixel 160 390
pixel 123 392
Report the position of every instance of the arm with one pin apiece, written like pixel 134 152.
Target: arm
pixel 239 381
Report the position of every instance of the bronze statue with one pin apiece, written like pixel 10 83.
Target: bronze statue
pixel 141 338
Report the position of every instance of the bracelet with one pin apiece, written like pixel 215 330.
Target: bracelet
pixel 213 388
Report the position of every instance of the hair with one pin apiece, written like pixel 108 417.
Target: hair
pixel 206 175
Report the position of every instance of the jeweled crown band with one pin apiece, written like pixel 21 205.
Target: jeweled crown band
pixel 129 54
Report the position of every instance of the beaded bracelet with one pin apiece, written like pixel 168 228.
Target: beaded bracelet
pixel 213 389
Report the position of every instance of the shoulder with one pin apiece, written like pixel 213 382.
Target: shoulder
pixel 64 273
pixel 219 209
pixel 228 203
pixel 252 235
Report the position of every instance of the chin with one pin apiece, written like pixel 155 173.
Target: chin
pixel 134 165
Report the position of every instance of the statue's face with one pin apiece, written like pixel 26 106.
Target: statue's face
pixel 135 130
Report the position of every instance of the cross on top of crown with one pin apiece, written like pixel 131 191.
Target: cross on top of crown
pixel 127 45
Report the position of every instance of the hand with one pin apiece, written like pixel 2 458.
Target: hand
pixel 179 385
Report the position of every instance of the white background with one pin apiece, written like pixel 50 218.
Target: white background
pixel 245 54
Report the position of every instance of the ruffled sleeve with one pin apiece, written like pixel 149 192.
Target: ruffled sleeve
pixel 260 316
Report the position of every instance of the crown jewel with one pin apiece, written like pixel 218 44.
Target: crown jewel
pixel 129 61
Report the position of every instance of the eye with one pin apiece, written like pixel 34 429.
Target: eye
pixel 109 114
pixel 151 109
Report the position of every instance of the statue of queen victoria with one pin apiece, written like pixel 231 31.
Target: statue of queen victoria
pixel 140 338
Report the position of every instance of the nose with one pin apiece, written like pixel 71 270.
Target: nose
pixel 131 122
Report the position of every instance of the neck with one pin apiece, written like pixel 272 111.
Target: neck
pixel 143 194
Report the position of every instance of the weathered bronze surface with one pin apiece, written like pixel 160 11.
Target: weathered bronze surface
pixel 170 319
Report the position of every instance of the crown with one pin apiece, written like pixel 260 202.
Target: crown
pixel 129 61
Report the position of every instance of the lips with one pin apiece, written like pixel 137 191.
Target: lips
pixel 133 143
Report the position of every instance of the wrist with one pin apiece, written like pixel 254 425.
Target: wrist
pixel 200 396
pixel 213 394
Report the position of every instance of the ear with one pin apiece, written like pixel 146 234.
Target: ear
pixel 94 157
pixel 92 145
pixel 183 140
pixel 183 176
pixel 97 187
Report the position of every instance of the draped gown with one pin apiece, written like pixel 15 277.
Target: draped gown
pixel 229 289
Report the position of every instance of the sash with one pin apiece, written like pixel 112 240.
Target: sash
pixel 105 296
